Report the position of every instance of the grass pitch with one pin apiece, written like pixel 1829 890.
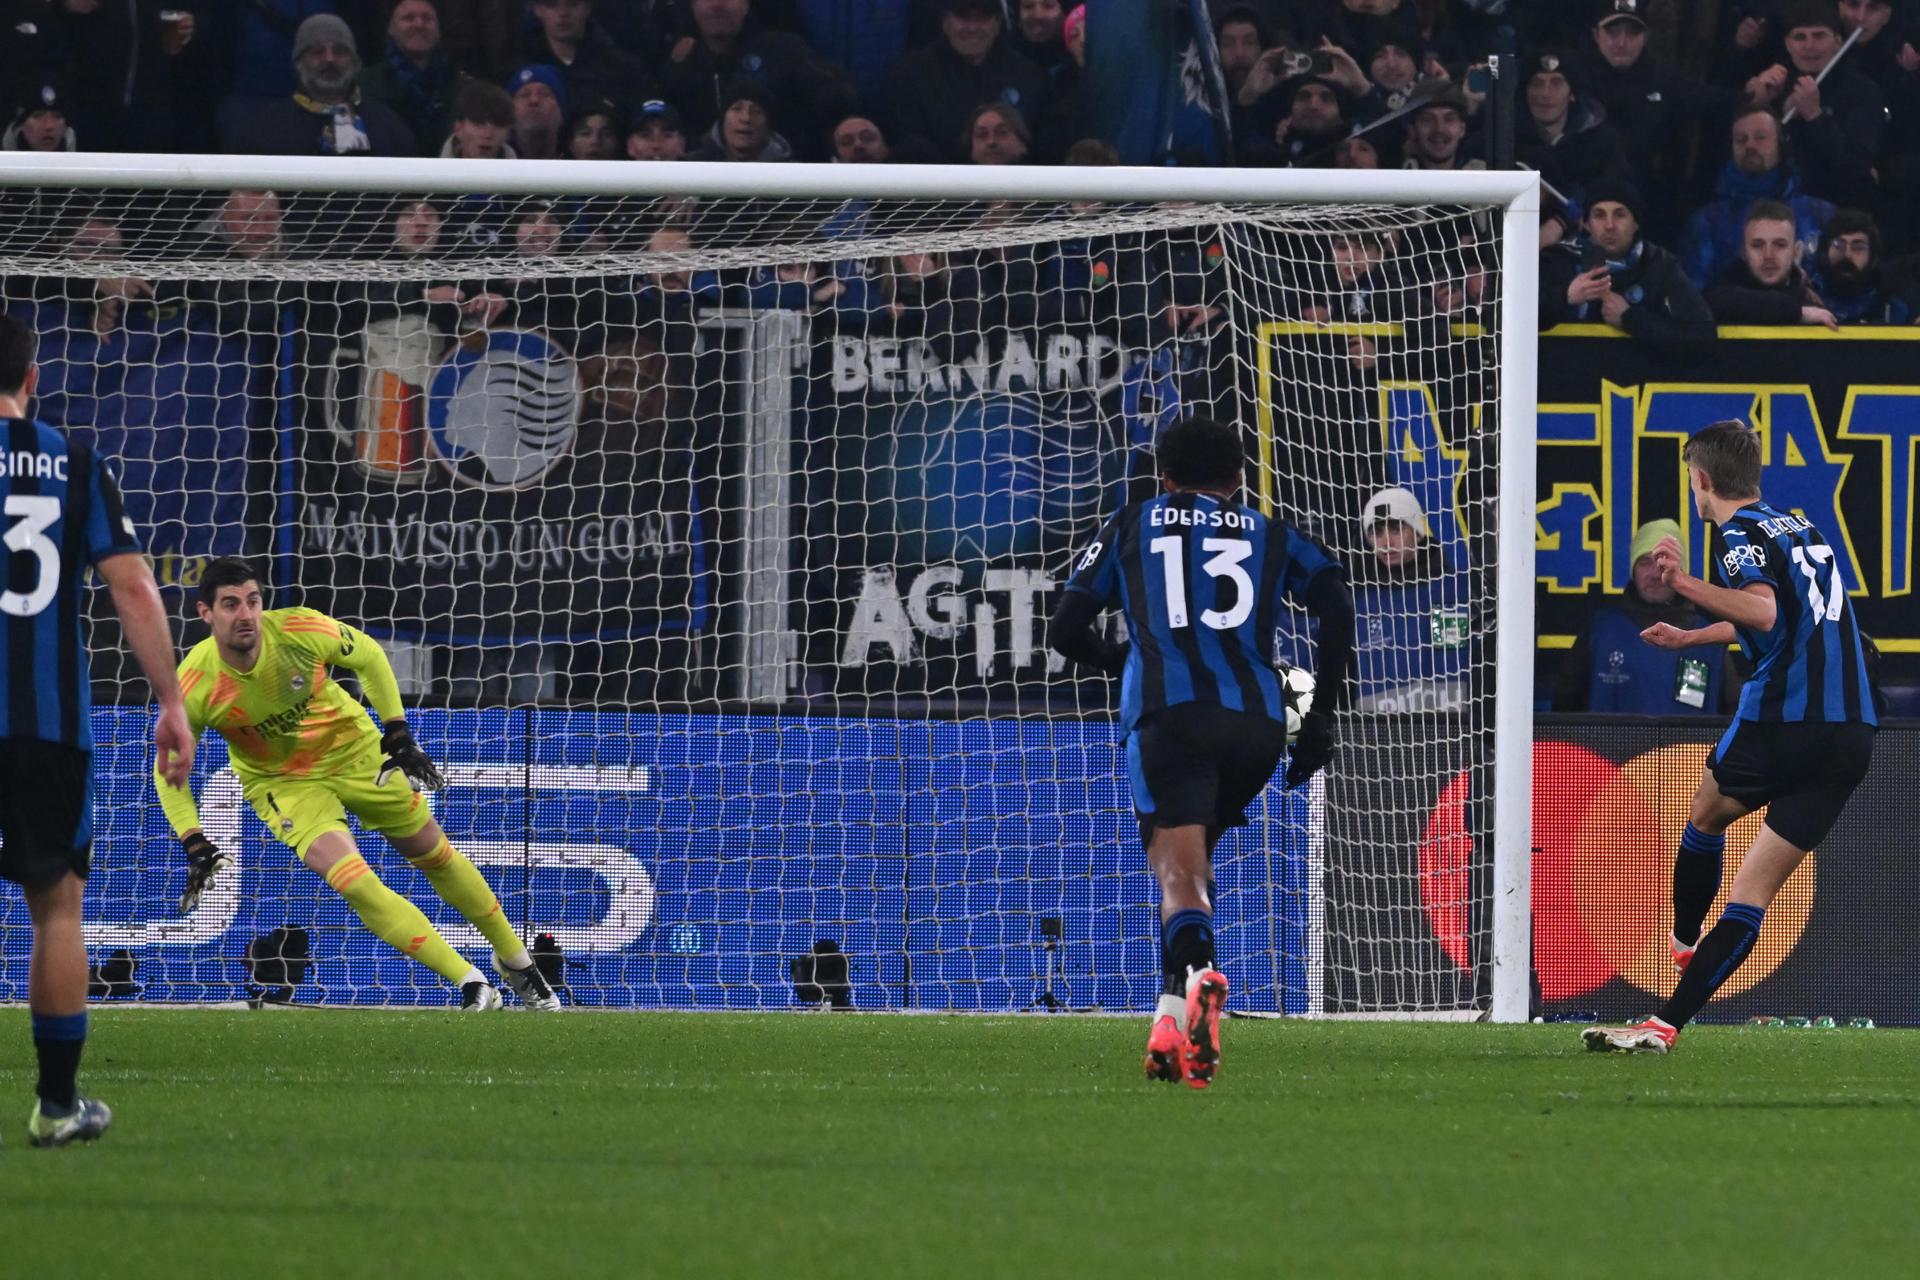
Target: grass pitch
pixel 429 1144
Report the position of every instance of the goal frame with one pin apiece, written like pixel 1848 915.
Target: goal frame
pixel 1516 195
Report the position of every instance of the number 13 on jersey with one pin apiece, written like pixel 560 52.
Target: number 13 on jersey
pixel 1228 556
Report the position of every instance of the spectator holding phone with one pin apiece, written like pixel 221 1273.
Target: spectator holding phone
pixel 1611 275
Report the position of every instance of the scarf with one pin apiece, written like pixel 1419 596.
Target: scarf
pixel 345 133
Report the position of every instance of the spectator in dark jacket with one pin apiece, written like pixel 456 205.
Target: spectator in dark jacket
pixel 1648 102
pixel 1838 124
pixel 481 35
pixel 647 29
pixel 858 140
pixel 539 111
pixel 1393 68
pixel 1041 37
pixel 746 129
pixel 1564 136
pixel 255 51
pixel 657 133
pixel 1613 275
pixel 40 119
pixel 1849 276
pixel 416 77
pixel 1241 36
pixel 327 116
pixel 1767 285
pixel 1313 124
pixel 1437 133
pixel 32 41
pixel 123 71
pixel 932 91
pixel 1877 52
pixel 807 93
pixel 596 131
pixel 591 65
pixel 864 36
pixel 1759 170
pixel 997 135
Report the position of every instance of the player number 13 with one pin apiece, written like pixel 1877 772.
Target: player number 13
pixel 1228 553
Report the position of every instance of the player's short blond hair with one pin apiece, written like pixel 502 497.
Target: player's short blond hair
pixel 1729 452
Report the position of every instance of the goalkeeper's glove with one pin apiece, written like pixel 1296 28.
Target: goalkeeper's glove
pixel 404 754
pixel 204 862
pixel 1312 749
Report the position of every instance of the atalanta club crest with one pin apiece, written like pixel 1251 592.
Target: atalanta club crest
pixel 503 411
pixel 496 409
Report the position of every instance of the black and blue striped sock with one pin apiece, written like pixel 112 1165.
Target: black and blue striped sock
pixel 1186 943
pixel 58 1040
pixel 1696 878
pixel 1721 952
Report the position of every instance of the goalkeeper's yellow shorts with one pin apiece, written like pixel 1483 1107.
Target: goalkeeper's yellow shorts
pixel 300 810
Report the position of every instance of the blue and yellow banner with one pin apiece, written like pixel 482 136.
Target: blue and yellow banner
pixel 1839 417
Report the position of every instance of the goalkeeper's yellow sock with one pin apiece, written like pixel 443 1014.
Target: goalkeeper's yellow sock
pixel 396 920
pixel 462 887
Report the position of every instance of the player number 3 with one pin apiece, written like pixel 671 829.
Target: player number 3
pixel 1228 553
pixel 29 533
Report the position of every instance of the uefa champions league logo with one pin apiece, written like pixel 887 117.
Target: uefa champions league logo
pixel 502 412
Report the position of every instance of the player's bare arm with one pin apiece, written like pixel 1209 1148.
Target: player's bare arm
pixel 1664 635
pixel 1752 606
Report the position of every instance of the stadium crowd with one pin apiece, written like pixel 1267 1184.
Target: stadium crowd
pixel 1705 161
pixel 1740 161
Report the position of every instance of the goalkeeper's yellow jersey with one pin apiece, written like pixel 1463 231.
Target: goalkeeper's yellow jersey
pixel 288 717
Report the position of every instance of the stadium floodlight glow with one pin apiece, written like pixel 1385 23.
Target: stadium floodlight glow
pixel 713 512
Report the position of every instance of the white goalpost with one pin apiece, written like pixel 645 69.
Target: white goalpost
pixel 711 515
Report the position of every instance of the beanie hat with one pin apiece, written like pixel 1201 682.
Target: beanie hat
pixel 322 28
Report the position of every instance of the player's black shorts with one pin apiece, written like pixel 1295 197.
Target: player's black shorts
pixel 46 811
pixel 1198 763
pixel 1802 771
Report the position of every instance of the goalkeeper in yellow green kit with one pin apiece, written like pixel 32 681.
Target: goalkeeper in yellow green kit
pixel 306 754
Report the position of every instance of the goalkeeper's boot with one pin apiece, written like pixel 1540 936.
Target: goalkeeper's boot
pixel 87 1121
pixel 1682 951
pixel 529 984
pixel 1206 997
pixel 1651 1036
pixel 1165 1046
pixel 478 997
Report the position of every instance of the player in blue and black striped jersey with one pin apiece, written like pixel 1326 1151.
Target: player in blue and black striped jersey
pixel 1200 580
pixel 62 515
pixel 1803 737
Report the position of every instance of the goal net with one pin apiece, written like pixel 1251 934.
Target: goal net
pixel 711 516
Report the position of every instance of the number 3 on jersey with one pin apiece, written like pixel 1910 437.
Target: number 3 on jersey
pixel 34 517
pixel 1825 603
pixel 1228 553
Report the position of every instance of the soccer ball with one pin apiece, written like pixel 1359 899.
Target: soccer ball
pixel 1296 694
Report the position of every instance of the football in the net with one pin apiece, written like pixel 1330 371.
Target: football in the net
pixel 1296 694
